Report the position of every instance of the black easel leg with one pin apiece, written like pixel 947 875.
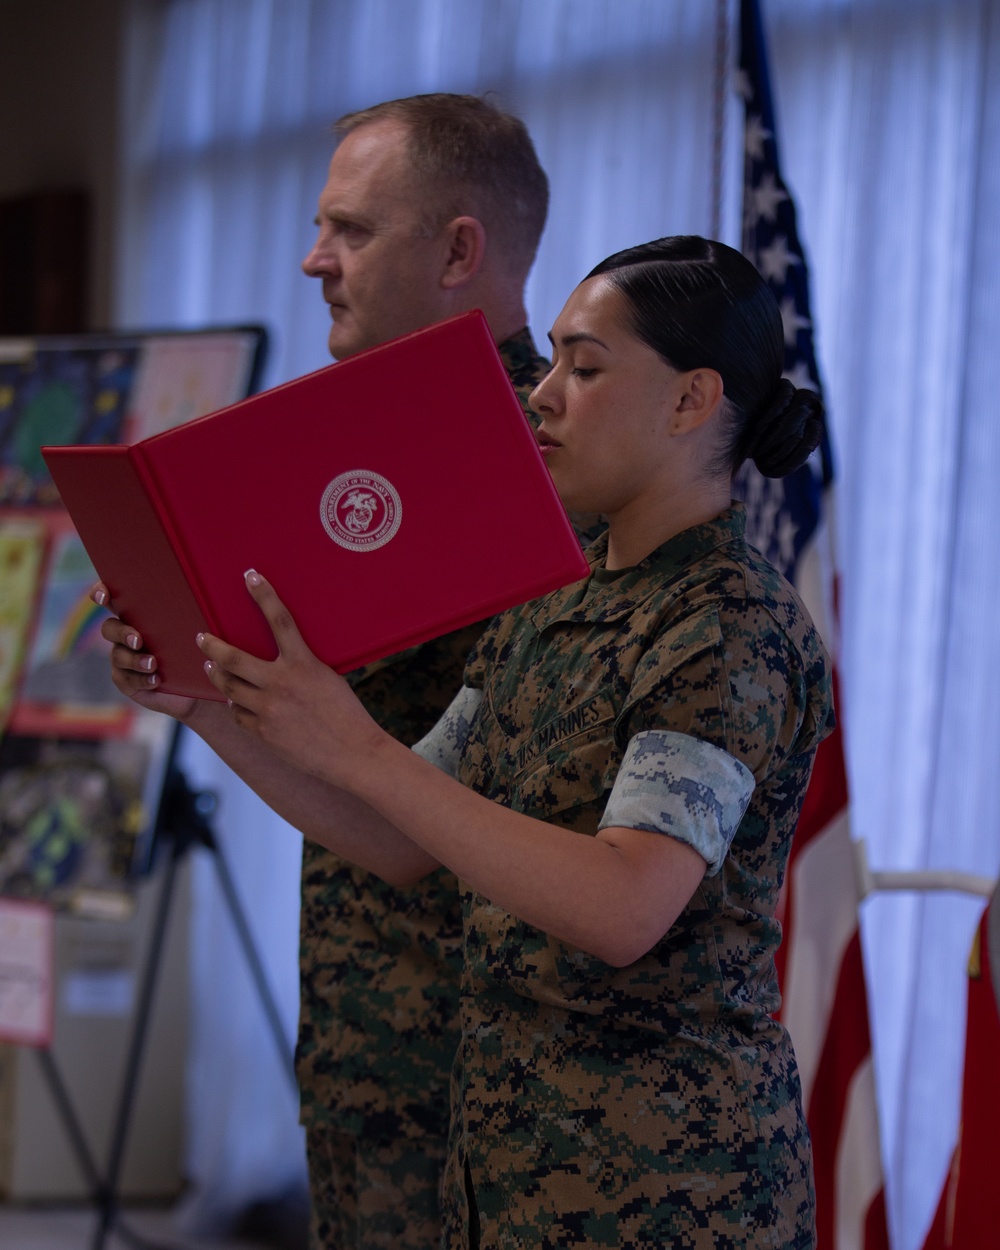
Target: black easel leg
pixel 109 1208
pixel 285 1051
pixel 74 1129
pixel 101 1194
pixel 182 822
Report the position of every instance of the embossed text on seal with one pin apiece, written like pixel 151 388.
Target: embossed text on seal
pixel 361 510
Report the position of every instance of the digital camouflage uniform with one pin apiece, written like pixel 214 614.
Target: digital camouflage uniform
pixel 656 1105
pixel 380 972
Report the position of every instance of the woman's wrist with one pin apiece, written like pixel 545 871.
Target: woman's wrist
pixel 202 715
pixel 374 765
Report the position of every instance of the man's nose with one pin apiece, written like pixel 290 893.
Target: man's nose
pixel 320 260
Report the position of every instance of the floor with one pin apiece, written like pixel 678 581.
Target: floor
pixel 57 1228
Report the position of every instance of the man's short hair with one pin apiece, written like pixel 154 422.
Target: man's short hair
pixel 474 160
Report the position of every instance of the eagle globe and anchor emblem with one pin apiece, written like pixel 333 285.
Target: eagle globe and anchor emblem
pixel 361 511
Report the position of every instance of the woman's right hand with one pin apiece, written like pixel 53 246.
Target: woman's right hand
pixel 133 670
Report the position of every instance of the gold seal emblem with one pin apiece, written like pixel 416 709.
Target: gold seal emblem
pixel 361 511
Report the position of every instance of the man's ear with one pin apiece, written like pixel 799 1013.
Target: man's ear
pixel 700 397
pixel 466 241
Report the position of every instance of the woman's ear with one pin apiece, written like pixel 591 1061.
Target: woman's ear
pixel 466 243
pixel 698 399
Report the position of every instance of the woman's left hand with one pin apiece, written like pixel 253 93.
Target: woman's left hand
pixel 298 706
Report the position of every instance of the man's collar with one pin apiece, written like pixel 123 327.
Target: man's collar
pixel 519 353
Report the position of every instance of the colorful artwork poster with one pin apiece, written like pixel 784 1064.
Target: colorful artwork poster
pixel 181 377
pixel 27 972
pixel 70 816
pixel 55 396
pixel 22 549
pixel 67 689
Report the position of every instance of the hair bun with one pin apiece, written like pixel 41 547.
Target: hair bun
pixel 787 430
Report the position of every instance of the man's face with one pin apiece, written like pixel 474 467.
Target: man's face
pixel 380 276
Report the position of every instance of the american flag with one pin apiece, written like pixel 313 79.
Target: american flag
pixel 824 1003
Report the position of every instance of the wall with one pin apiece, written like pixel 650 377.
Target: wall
pixel 59 77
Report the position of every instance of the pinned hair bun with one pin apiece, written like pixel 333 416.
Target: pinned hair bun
pixel 786 431
pixel 702 305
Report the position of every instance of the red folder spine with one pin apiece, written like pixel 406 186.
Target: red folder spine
pixel 188 567
pixel 128 534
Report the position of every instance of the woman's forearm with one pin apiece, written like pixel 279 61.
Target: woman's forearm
pixel 323 812
pixel 613 895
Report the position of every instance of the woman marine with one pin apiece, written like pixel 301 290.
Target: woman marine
pixel 616 786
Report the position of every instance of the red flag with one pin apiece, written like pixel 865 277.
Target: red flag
pixel 824 1002
pixel 825 1008
pixel 968 1217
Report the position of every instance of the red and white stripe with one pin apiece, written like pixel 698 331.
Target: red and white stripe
pixel 824 999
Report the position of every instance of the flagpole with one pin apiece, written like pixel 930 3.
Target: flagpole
pixel 917 881
pixel 819 963
pixel 721 83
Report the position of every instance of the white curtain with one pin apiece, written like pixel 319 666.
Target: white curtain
pixel 889 132
pixel 891 121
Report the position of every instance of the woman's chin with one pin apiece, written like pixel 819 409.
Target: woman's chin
pixel 573 499
pixel 582 503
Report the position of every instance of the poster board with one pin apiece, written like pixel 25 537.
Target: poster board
pixel 27 972
pixel 81 768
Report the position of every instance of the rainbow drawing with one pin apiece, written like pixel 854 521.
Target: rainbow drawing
pixel 81 629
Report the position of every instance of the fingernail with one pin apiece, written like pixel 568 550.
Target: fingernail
pixel 133 641
pixel 230 702
pixel 152 679
pixel 146 662
pixel 100 597
pixel 199 639
pixel 252 577
pixel 209 666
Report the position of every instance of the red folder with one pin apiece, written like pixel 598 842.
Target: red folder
pixel 389 498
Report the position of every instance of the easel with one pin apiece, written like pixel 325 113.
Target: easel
pixel 220 364
pixel 183 821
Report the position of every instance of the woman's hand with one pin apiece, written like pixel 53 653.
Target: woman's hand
pixel 297 706
pixel 133 670
pixel 291 727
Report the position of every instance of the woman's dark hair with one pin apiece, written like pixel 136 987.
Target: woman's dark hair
pixel 700 304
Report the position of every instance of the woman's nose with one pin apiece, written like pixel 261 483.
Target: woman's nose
pixel 543 398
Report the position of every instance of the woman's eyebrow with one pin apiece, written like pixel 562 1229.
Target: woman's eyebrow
pixel 569 339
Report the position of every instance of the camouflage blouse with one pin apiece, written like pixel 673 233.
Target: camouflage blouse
pixel 657 1104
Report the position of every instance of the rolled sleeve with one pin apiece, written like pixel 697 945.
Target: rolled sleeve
pixel 678 785
pixel 443 746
